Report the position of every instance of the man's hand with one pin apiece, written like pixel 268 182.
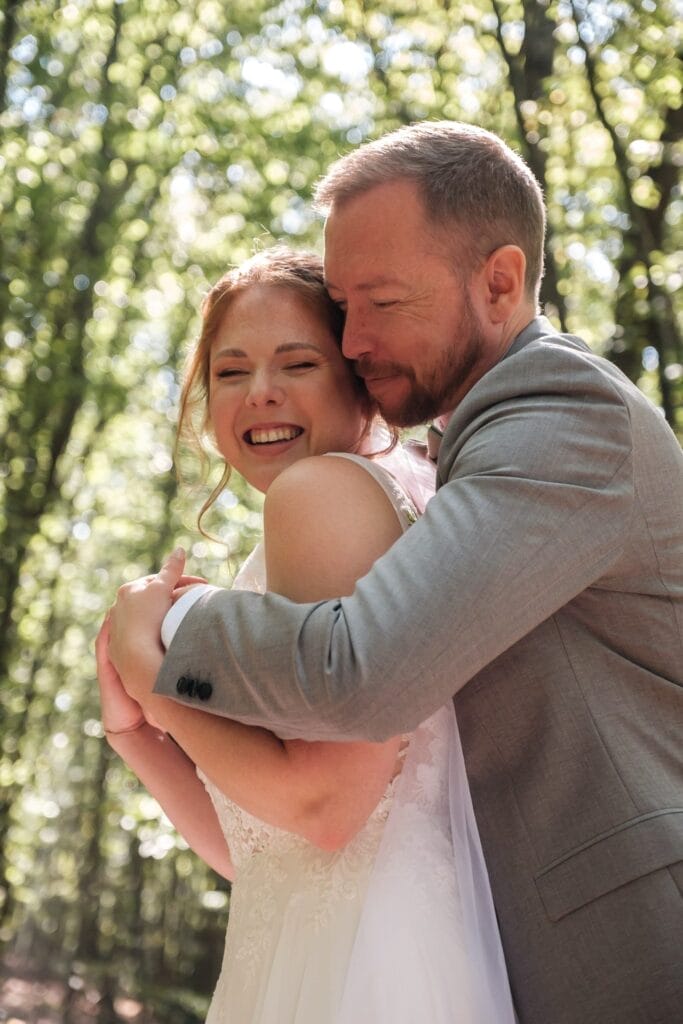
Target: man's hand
pixel 135 647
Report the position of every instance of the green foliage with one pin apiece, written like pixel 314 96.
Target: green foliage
pixel 144 148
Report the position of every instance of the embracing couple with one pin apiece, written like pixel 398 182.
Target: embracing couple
pixel 439 753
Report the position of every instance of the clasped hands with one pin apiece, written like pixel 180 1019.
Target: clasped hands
pixel 128 649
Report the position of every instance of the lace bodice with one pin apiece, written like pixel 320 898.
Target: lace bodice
pixel 249 837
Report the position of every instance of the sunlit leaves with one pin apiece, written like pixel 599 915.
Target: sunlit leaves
pixel 144 148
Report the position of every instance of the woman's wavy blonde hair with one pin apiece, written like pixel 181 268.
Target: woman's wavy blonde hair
pixel 278 266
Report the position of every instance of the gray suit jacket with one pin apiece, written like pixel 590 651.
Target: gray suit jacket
pixel 544 589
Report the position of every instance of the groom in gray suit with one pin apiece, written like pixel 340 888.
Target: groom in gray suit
pixel 542 590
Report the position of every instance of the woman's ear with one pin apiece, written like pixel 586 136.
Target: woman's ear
pixel 503 280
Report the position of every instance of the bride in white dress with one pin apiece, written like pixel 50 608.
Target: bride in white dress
pixel 359 888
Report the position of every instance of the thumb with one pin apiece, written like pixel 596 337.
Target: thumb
pixel 172 568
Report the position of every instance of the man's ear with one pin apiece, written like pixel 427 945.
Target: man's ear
pixel 503 281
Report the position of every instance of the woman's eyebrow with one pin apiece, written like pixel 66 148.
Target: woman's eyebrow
pixel 236 353
pixel 293 346
pixel 286 346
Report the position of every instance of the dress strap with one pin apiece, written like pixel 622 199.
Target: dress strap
pixel 401 503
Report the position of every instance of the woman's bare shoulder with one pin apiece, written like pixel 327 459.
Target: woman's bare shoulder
pixel 326 520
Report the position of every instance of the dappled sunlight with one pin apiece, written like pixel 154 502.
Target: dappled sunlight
pixel 144 150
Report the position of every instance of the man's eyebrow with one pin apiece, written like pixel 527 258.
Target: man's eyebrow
pixel 286 346
pixel 375 282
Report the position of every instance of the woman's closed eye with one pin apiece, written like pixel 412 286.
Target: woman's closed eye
pixel 230 372
pixel 303 364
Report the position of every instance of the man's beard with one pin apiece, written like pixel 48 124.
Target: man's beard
pixel 444 385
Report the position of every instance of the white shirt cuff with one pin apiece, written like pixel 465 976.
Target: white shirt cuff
pixel 176 614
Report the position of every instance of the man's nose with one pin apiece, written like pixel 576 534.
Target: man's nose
pixel 264 390
pixel 356 338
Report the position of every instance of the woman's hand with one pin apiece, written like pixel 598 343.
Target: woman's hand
pixel 138 612
pixel 135 647
pixel 120 713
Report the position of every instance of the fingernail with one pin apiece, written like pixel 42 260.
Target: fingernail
pixel 178 552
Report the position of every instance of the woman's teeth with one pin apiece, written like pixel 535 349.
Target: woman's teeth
pixel 271 434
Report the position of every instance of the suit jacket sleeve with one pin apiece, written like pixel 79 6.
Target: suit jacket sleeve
pixel 535 503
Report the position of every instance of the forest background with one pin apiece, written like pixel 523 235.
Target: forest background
pixel 145 147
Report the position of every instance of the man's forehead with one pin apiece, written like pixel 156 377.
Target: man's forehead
pixel 373 256
pixel 382 208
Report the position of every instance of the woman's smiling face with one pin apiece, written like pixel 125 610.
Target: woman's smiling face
pixel 279 387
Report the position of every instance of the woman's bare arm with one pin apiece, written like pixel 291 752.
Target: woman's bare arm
pixel 170 776
pixel 163 768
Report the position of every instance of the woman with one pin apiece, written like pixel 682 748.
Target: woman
pixel 347 903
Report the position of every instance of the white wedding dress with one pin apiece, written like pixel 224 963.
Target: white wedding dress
pixel 397 927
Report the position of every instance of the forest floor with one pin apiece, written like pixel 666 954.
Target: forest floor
pixel 27 998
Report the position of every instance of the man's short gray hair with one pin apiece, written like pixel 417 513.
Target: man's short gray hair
pixel 468 178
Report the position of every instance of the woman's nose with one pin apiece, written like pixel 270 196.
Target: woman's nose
pixel 264 390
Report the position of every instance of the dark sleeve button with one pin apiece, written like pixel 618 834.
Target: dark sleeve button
pixel 204 690
pixel 183 685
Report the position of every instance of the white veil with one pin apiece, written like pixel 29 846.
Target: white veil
pixel 427 947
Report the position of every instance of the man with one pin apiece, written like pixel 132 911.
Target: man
pixel 543 588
